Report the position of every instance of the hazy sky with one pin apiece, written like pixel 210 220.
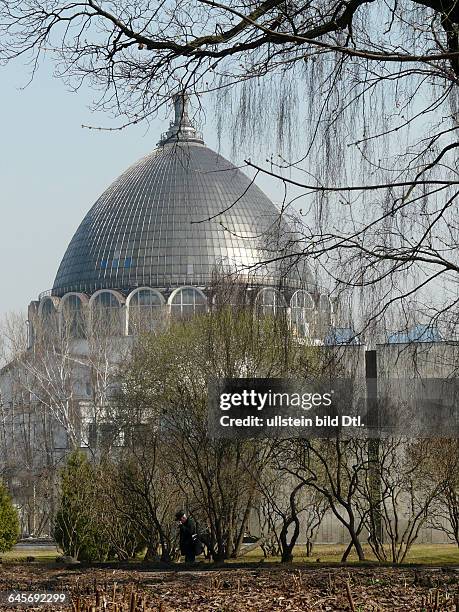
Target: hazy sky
pixel 52 171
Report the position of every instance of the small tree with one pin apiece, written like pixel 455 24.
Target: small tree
pixel 289 509
pixel 142 499
pixel 9 521
pixel 443 466
pixel 333 468
pixel 407 495
pixel 77 531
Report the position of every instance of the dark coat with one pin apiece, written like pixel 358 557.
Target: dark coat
pixel 187 530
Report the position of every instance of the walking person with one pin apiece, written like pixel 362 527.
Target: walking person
pixel 190 544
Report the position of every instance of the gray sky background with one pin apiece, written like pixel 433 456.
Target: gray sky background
pixel 52 171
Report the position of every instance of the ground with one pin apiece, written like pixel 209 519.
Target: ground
pixel 245 585
pixel 255 588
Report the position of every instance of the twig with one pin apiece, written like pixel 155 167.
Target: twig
pixel 349 596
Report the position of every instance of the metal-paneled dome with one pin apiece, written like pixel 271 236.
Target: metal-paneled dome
pixel 172 218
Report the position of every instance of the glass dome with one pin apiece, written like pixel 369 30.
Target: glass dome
pixel 172 218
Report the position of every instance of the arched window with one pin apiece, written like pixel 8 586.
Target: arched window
pixel 325 303
pixel 145 309
pixel 48 306
pixel 107 314
pixel 301 307
pixel 270 302
pixel 48 323
pixel 48 311
pixel 326 309
pixel 186 302
pixel 73 315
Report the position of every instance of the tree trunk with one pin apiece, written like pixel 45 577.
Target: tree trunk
pixel 287 556
pixel 355 542
pixel 152 551
pixel 347 552
pixel 218 554
pixel 287 547
pixel 240 537
pixel 358 547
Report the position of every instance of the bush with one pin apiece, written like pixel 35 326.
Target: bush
pixel 88 527
pixel 77 531
pixel 9 521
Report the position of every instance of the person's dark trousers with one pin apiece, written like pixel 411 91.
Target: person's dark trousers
pixel 190 557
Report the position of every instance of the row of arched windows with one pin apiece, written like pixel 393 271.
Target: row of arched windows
pixel 144 308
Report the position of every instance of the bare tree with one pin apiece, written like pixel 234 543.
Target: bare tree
pixel 28 437
pixel 54 394
pixel 288 509
pixel 406 496
pixel 142 489
pixel 333 468
pixel 443 465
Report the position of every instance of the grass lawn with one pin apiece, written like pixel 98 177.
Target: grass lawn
pixel 432 554
pixel 44 554
pixel 435 554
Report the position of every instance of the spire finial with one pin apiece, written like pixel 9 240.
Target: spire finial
pixel 181 129
pixel 181 103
